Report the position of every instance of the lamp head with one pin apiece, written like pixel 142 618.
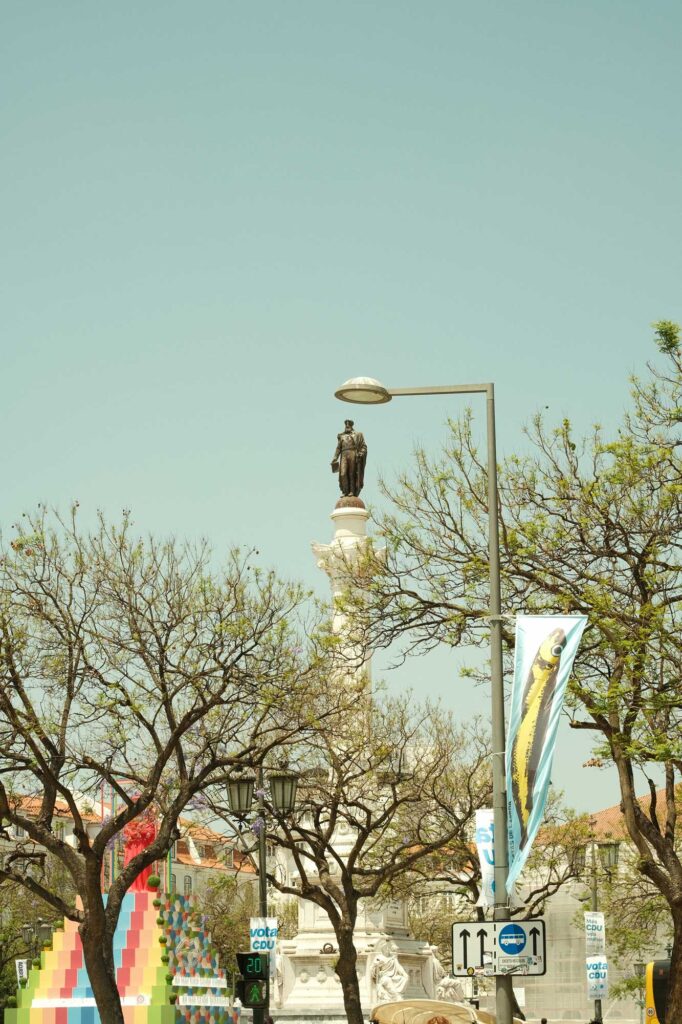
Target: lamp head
pixel 608 854
pixel 283 790
pixel 363 391
pixel 240 794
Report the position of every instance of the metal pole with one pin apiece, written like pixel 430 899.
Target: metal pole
pixel 595 906
pixel 503 983
pixel 504 991
pixel 260 1013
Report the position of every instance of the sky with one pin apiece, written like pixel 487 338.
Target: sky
pixel 213 214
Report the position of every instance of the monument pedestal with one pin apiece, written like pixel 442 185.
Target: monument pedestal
pixel 307 985
pixel 390 963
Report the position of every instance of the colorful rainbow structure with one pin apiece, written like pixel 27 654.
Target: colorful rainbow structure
pixel 59 991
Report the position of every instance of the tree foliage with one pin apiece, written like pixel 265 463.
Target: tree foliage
pixel 138 665
pixel 588 525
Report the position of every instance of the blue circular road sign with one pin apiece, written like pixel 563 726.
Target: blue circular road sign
pixel 511 939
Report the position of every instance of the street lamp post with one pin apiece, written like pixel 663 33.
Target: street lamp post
pixel 640 971
pixel 240 793
pixel 608 855
pixel 367 391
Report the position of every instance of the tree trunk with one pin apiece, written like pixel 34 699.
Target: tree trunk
pixel 98 953
pixel 673 1010
pixel 346 968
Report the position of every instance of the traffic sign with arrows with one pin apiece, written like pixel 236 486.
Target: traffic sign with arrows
pixel 499 947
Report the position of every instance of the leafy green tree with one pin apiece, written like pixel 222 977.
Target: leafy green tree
pixel 637 917
pixel 588 525
pixel 139 665
pixel 229 904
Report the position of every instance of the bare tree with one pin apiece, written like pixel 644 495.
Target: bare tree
pixel 139 665
pixel 387 786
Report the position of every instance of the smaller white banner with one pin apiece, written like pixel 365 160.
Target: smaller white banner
pixel 22 970
pixel 597 977
pixel 205 999
pixel 595 933
pixel 263 937
pixel 485 846
pixel 187 981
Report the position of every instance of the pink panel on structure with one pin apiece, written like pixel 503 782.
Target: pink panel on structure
pixel 128 957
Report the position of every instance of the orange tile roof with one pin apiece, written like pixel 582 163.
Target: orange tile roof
pixel 244 866
pixel 610 823
pixel 203 833
pixel 31 806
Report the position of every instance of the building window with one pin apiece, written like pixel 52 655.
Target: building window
pixel 188 885
pixel 173 883
pixel 19 832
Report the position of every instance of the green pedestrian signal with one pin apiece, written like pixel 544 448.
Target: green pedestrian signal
pixel 252 987
pixel 252 993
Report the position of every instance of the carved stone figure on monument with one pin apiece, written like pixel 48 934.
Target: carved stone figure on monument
pixel 349 460
pixel 279 980
pixel 450 990
pixel 434 972
pixel 389 977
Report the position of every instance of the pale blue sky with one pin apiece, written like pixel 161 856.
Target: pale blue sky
pixel 213 213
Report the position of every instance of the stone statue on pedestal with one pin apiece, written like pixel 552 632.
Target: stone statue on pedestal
pixel 349 460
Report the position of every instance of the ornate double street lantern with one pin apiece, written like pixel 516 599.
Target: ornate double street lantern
pixel 36 935
pixel 240 794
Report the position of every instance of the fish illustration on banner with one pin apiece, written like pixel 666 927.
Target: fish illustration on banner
pixel 545 648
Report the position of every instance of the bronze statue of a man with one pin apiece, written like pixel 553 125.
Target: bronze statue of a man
pixel 349 460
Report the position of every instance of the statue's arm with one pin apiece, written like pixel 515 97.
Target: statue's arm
pixel 337 454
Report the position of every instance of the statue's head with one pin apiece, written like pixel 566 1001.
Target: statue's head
pixel 349 424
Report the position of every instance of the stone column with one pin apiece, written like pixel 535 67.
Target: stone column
pixel 337 560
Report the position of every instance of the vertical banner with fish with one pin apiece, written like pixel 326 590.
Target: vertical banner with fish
pixel 543 657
